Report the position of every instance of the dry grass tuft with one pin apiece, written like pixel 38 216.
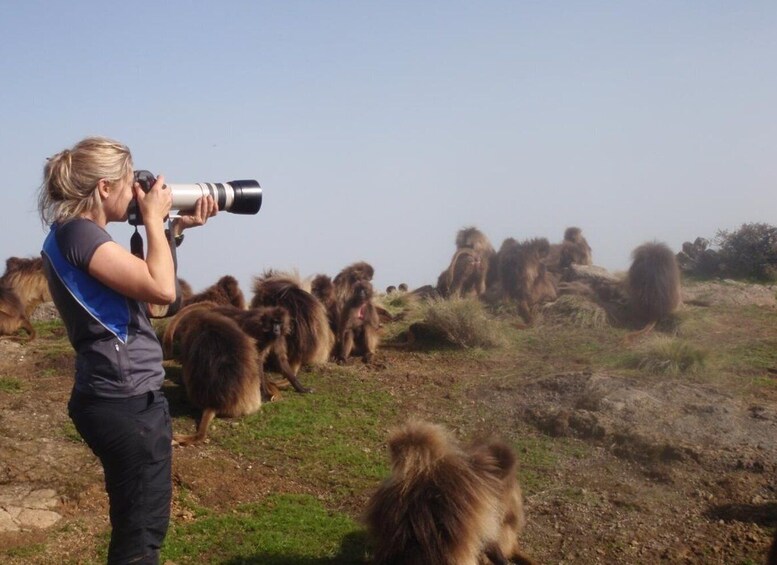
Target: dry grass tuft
pixel 463 323
pixel 667 356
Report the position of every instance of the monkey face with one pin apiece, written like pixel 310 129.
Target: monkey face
pixel 362 291
pixel 275 322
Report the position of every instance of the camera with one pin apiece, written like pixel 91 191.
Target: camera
pixel 237 196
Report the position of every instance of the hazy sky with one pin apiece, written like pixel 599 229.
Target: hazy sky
pixel 379 129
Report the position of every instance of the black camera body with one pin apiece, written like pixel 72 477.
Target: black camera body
pixel 236 197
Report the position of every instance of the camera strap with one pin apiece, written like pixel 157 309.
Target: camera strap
pixel 136 244
pixel 137 249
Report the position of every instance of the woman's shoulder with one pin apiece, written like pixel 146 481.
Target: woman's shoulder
pixel 80 231
pixel 78 238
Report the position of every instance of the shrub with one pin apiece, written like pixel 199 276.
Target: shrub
pixel 667 356
pixel 463 323
pixel 577 311
pixel 397 302
pixel 749 252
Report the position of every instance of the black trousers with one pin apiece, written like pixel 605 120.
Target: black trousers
pixel 132 438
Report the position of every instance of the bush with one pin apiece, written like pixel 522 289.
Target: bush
pixel 463 323
pixel 667 356
pixel 749 252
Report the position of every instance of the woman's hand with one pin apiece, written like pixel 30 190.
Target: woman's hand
pixel 205 207
pixel 156 203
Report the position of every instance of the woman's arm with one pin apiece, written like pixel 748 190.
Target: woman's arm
pixel 152 280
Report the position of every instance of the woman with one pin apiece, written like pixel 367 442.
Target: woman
pixel 101 291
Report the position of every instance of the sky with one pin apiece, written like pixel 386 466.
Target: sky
pixel 377 130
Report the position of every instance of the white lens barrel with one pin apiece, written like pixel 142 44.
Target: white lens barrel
pixel 237 196
pixel 185 195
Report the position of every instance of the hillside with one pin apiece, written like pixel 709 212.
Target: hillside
pixel 663 451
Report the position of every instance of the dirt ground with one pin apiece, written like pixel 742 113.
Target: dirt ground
pixel 660 469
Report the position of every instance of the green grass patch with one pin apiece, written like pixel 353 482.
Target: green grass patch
pixel 70 433
pixel 26 552
pixel 760 355
pixel 538 456
pixel 548 348
pixel 284 529
pixel 49 329
pixel 397 302
pixel 663 355
pixel 333 436
pixel 10 385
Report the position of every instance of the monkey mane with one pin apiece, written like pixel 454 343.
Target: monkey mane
pixel 224 291
pixel 436 507
pixel 23 265
pixel 472 238
pixel 322 286
pixel 311 339
pixel 653 282
pixel 572 234
pixel 220 364
pixel 417 446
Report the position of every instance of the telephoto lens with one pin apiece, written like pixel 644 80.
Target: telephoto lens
pixel 236 197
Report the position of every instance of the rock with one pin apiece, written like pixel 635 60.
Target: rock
pixel 7 523
pixel 37 519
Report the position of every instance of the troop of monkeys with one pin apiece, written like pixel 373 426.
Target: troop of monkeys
pixel 534 271
pixel 224 346
pixel 442 503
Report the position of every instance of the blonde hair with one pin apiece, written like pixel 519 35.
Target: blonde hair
pixel 70 177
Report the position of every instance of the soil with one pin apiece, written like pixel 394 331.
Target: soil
pixel 659 469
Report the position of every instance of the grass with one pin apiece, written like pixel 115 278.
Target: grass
pixel 284 529
pixel 576 311
pixel 663 355
pixel 333 436
pixel 463 323
pixel 397 302
pixel 49 328
pixel 70 433
pixel 10 385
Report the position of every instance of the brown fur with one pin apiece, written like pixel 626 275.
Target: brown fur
pixel 25 276
pixel 311 340
pixel 349 276
pixel 269 327
pixel 481 271
pixel 653 286
pixel 220 367
pixel 225 291
pixel 186 289
pixel 465 277
pixel 323 288
pixel 523 276
pixel 357 328
pixel 574 249
pixel 445 505
pixel 13 316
